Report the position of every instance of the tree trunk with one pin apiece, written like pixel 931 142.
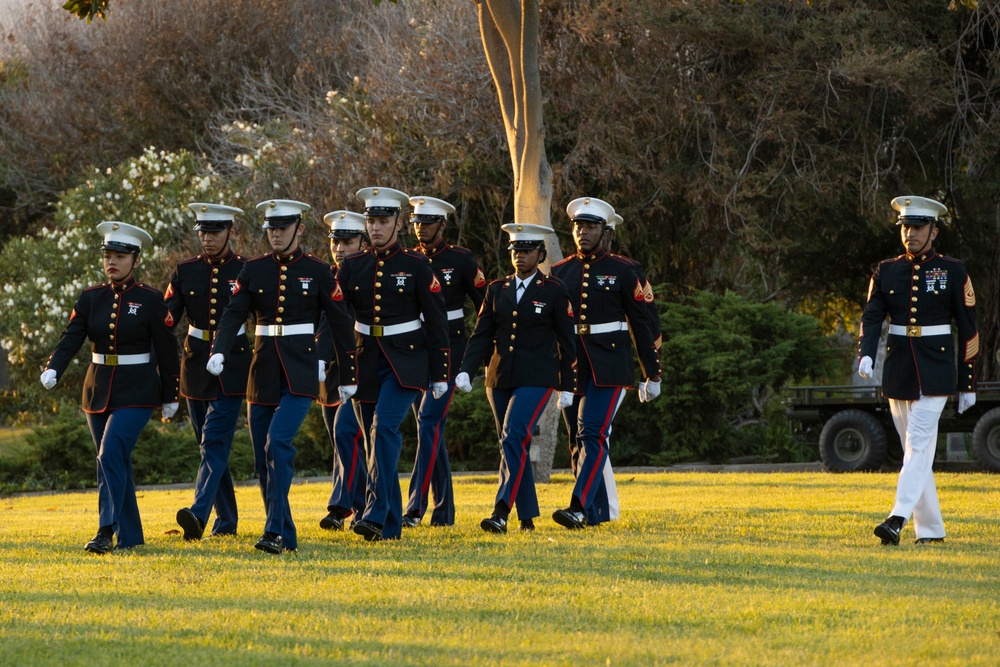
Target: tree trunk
pixel 509 31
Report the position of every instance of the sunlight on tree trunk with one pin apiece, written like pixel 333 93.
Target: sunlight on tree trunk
pixel 509 29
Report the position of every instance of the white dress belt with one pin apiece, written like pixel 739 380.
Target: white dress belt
pixel 916 331
pixel 201 334
pixel 378 330
pixel 456 314
pixel 283 329
pixel 607 327
pixel 120 359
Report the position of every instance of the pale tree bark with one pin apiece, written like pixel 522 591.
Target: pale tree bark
pixel 509 29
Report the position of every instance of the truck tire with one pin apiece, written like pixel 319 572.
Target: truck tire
pixel 986 440
pixel 852 440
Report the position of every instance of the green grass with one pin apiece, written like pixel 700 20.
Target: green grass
pixel 744 569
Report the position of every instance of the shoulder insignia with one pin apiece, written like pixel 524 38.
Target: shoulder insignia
pixel 435 285
pixel 569 309
pixel 72 315
pixel 970 294
pixel 236 287
pixel 170 291
pixel 480 280
pixel 336 294
pixel 972 347
pixel 169 319
pixel 638 294
pixel 647 292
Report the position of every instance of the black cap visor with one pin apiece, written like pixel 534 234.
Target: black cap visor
pixel 279 221
pixel 526 245
pixel 916 220
pixel 212 225
pixel 118 246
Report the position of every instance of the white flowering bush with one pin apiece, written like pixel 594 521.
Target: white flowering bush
pixel 41 276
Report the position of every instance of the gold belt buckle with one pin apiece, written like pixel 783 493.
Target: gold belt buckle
pixel 278 329
pixel 110 359
pixel 913 331
pixel 583 329
pixel 206 334
pixel 377 330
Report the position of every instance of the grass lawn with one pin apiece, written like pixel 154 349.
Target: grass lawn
pixel 703 568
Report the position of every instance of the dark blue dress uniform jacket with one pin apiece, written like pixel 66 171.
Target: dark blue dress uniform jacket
pixel 396 286
pixel 531 341
pixel 286 289
pixel 922 291
pixel 329 389
pixel 127 319
pixel 648 298
pixel 460 276
pixel 605 288
pixel 201 287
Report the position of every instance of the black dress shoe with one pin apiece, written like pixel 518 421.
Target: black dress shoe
pixel 410 521
pixel 888 531
pixel 99 545
pixel 193 530
pixel 371 531
pixel 929 540
pixel 494 524
pixel 269 542
pixel 527 526
pixel 570 518
pixel 332 522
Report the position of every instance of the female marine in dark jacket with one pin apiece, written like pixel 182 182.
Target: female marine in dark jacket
pixel 134 368
pixel 525 327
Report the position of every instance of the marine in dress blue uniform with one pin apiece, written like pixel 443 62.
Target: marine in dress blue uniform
pixel 460 277
pixel 402 341
pixel 525 329
pixel 347 498
pixel 200 288
pixel 133 370
pixel 606 506
pixel 610 303
pixel 285 290
pixel 922 293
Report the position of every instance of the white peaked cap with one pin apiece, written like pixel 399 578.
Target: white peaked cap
pixel 615 221
pixel 279 208
pixel 378 197
pixel 526 233
pixel 214 212
pixel 123 236
pixel 345 221
pixel 918 207
pixel 430 206
pixel 590 208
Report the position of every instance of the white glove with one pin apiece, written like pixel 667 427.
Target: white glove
pixel 346 391
pixel 462 382
pixel 48 378
pixel 966 399
pixel 214 365
pixel 322 371
pixel 565 399
pixel 652 390
pixel 438 389
pixel 169 410
pixel 865 367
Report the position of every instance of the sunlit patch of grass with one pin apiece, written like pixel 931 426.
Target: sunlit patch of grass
pixel 702 568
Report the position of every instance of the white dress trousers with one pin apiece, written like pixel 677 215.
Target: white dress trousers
pixel 917 425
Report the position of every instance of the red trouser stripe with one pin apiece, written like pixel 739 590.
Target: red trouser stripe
pixel 524 445
pixel 602 441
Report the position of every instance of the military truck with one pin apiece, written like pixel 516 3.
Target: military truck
pixel 853 428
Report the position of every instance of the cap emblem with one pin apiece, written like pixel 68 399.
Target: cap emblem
pixel 375 191
pixel 203 208
pixel 907 203
pixel 520 228
pixel 273 204
pixel 587 200
pixel 114 228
